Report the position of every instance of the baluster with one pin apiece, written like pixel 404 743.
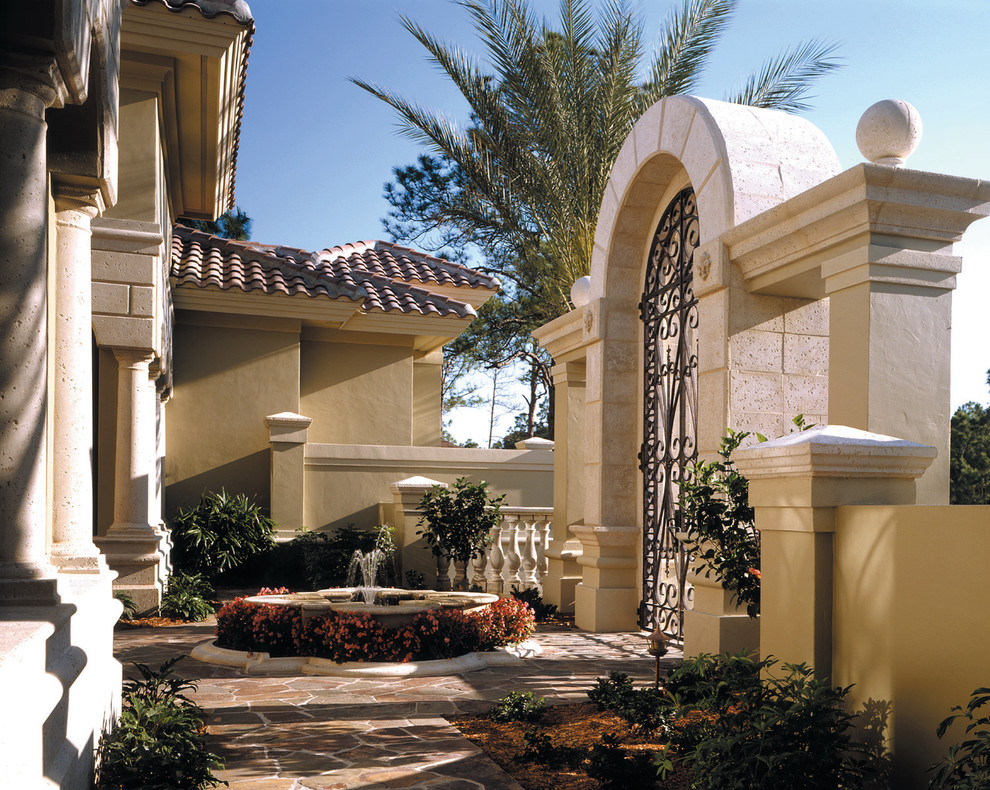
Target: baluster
pixel 478 562
pixel 542 543
pixel 512 559
pixel 443 574
pixel 527 574
pixel 460 575
pixel 496 560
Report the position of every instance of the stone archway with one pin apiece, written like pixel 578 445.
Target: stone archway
pixel 740 162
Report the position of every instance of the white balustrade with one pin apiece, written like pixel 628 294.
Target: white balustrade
pixel 516 556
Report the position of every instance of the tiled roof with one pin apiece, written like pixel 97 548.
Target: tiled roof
pixel 382 276
pixel 239 10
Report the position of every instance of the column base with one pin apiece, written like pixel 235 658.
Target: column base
pixel 563 574
pixel 605 609
pixel 720 633
pixel 139 555
pixel 28 592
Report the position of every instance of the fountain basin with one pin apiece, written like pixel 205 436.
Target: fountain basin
pixel 402 612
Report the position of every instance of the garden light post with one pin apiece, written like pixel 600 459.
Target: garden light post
pixel 656 645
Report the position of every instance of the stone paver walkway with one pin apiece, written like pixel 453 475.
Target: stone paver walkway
pixel 300 732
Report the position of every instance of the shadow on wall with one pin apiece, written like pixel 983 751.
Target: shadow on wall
pixel 249 475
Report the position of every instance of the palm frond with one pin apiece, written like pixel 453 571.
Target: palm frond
pixel 784 82
pixel 688 37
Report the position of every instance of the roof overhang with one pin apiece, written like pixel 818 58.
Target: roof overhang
pixel 196 67
pixel 427 332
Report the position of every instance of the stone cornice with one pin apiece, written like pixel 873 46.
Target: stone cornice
pixel 566 336
pixel 835 451
pixel 783 249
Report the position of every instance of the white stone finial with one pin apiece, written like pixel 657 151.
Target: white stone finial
pixel 581 291
pixel 889 132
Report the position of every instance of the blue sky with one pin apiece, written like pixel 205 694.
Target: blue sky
pixel 315 150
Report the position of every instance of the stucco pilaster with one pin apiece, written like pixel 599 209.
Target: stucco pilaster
pixel 414 554
pixel 795 485
pixel 27 88
pixel 287 434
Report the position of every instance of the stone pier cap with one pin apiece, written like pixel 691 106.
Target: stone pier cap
pixel 835 451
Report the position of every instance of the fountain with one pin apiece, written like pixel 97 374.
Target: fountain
pixel 367 566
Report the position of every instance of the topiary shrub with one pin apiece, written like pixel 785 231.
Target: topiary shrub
pixel 159 741
pixel 219 533
pixel 518 706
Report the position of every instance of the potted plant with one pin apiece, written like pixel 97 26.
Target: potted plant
pixel 459 522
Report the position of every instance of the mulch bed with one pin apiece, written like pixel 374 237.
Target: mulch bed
pixel 578 725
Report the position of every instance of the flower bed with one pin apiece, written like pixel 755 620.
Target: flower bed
pixel 343 637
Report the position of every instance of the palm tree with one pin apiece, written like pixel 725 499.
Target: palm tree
pixel 524 181
pixel 547 125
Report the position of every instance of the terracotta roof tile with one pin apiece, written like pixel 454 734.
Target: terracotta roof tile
pixel 382 276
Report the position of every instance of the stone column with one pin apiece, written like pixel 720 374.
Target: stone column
pixel 72 443
pixel 26 90
pixel 134 546
pixel 795 484
pixel 608 595
pixel 563 571
pixel 414 553
pixel 287 434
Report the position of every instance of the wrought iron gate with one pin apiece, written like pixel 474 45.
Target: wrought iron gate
pixel 669 311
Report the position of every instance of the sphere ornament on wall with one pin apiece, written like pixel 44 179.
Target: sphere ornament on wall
pixel 889 132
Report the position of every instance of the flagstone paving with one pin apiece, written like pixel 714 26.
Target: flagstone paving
pixel 301 732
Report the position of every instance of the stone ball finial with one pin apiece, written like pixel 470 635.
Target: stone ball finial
pixel 889 132
pixel 581 291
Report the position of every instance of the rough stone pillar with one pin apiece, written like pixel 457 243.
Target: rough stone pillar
pixel 795 484
pixel 414 552
pixel 287 434
pixel 26 90
pixel 563 571
pixel 135 547
pixel 72 442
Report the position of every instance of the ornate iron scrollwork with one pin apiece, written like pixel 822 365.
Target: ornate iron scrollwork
pixel 669 311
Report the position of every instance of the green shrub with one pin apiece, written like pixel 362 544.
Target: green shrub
pixel 159 741
pixel 219 533
pixel 612 693
pixel 967 765
pixel 616 769
pixel 189 597
pixel 531 596
pixel 326 556
pixel 459 521
pixel 518 706
pixel 130 608
pixel 790 732
pixel 541 750
pixel 714 681
pixel 415 580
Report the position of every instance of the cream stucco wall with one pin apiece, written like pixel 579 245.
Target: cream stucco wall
pixel 910 622
pixel 356 392
pixel 229 374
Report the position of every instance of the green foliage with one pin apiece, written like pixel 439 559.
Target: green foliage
pixel 415 580
pixel 969 459
pixel 543 751
pixel 233 224
pixel 714 681
pixel 327 555
pixel 542 611
pixel 219 533
pixel 518 706
pixel 521 429
pixel 612 693
pixel 459 520
pixel 159 741
pixel 130 608
pixel 189 597
pixel 788 732
pixel 967 765
pixel 616 769
pixel 523 180
pixel 718 524
pixel 648 708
